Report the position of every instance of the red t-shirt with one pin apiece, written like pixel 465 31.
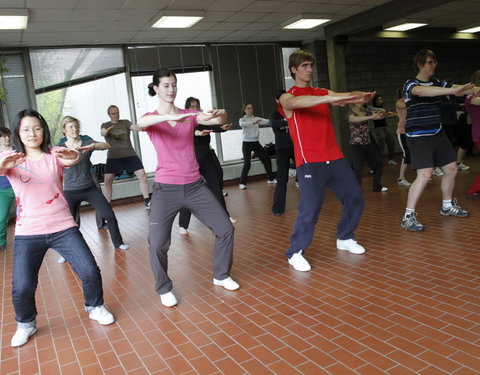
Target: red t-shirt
pixel 312 130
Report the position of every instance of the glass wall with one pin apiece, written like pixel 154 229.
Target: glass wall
pixel 88 102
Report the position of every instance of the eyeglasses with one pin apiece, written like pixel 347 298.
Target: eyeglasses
pixel 431 62
pixel 37 130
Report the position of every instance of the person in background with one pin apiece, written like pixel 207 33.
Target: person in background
pixel 78 183
pixel 426 139
pixel 178 184
pixel 121 155
pixel 382 132
pixel 6 192
pixel 284 153
pixel 251 131
pixel 362 147
pixel 208 164
pixel 402 141
pixel 44 221
pixel 472 105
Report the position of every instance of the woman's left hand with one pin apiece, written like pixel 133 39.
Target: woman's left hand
pixel 212 113
pixel 91 146
pixel 226 126
pixel 67 154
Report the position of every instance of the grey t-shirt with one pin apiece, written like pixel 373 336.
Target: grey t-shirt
pixel 78 176
pixel 119 139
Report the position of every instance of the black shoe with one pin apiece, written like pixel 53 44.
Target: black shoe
pixel 147 203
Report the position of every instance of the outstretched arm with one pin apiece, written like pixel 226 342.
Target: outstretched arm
pixel 149 120
pixel 457 90
pixel 212 117
pixel 67 156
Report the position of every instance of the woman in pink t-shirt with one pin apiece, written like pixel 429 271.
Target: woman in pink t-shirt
pixel 178 184
pixel 472 105
pixel 44 221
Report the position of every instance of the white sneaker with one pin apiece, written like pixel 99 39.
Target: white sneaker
pixel 101 315
pixel 351 245
pixel 274 181
pixel 384 189
pixel 392 162
pixel 292 172
pixel 233 220
pixel 297 185
pixel 21 336
pixel 403 182
pixel 299 263
pixel 437 171
pixel 61 260
pixel 227 283
pixel 124 246
pixel 242 186
pixel 224 193
pixel 182 231
pixel 168 299
pixel 462 167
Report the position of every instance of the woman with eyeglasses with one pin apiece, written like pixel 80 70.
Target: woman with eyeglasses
pixel 44 221
pixel 178 184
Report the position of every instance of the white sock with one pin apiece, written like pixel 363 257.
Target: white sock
pixel 409 211
pixel 447 203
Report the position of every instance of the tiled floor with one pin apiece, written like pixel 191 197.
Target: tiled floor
pixel 410 305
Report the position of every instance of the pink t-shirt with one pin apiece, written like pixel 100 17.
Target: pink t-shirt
pixel 41 206
pixel 474 112
pixel 176 161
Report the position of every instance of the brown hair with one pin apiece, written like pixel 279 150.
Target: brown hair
pixel 298 57
pixel 476 78
pixel 420 58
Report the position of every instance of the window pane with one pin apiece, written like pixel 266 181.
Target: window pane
pixel 88 102
pixel 56 66
pixel 232 142
pixel 289 81
pixel 189 84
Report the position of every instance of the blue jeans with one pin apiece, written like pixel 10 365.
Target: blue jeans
pixel 28 254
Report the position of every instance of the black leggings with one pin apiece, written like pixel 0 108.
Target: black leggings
pixel 247 148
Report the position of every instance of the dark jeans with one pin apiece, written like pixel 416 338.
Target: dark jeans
pixel 247 148
pixel 382 136
pixel 95 197
pixel 370 153
pixel 167 200
pixel 28 254
pixel 284 155
pixel 209 171
pixel 314 178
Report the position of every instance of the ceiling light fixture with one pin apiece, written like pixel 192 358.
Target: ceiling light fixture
pixel 305 22
pixel 176 19
pixel 470 29
pixel 13 19
pixel 403 25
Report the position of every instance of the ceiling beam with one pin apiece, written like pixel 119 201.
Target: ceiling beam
pixel 377 16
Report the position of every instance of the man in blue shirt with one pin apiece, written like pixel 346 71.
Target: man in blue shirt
pixel 428 144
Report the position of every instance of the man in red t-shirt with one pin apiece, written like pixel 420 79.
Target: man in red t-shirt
pixel 320 163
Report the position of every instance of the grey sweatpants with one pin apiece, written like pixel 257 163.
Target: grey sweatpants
pixel 167 200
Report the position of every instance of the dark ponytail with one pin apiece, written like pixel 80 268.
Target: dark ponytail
pixel 160 73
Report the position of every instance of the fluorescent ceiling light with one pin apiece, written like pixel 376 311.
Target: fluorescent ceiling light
pixel 13 19
pixel 474 29
pixel 405 26
pixel 305 22
pixel 176 19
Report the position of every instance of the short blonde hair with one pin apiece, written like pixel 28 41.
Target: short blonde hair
pixel 67 120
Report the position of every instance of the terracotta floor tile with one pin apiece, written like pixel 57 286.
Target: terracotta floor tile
pixel 408 306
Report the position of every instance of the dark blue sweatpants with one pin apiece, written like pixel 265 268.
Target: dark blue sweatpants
pixel 314 178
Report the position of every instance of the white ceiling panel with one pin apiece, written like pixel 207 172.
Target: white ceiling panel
pixel 53 22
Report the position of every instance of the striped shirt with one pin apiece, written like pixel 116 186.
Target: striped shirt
pixel 423 112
